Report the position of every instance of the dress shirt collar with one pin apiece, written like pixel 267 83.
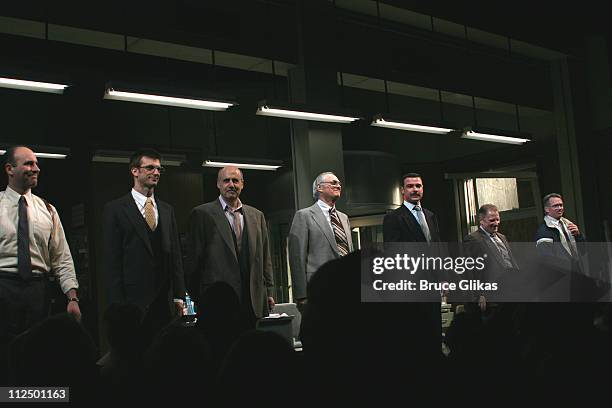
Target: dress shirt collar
pixel 15 196
pixel 411 206
pixel 141 199
pixel 224 204
pixel 324 206
pixel 490 234
pixel 552 222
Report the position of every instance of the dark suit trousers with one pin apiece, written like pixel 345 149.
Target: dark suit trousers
pixel 157 316
pixel 22 304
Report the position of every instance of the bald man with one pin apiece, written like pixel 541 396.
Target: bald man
pixel 32 246
pixel 228 242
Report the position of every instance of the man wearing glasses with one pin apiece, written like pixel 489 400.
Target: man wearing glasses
pixel 142 255
pixel 318 234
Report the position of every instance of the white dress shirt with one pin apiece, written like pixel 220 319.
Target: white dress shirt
pixel 325 208
pixel 49 250
pixel 141 200
pixel 414 212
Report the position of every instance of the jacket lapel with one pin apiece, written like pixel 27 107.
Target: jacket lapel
pixel 412 223
pixel 140 226
pixel 252 227
pixel 164 223
pixel 492 247
pixel 319 219
pixel 223 226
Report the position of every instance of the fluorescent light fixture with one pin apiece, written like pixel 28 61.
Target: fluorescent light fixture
pixel 44 155
pixel 490 137
pixel 379 121
pixel 302 113
pixel 123 157
pixel 154 99
pixel 32 85
pixel 50 155
pixel 237 163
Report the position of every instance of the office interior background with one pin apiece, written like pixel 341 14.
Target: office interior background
pixel 514 69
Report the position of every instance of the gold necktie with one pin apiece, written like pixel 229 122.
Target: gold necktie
pixel 149 213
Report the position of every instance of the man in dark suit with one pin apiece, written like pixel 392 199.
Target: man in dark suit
pixel 488 240
pixel 142 254
pixel 318 234
pixel 411 223
pixel 228 242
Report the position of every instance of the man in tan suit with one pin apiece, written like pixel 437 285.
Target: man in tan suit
pixel 228 242
pixel 318 234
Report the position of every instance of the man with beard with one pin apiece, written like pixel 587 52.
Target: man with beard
pixel 32 245
pixel 228 242
pixel 143 264
pixel 318 234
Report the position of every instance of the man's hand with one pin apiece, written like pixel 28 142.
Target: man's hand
pixel 301 304
pixel 573 229
pixel 179 307
pixel 73 309
pixel 271 303
pixel 482 303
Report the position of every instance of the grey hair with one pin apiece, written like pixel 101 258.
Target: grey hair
pixel 547 197
pixel 316 182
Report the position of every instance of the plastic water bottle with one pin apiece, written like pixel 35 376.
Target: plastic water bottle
pixel 189 305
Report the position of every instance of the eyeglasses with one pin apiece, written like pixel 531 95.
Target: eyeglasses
pixel 150 168
pixel 332 183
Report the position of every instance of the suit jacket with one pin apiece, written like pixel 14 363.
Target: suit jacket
pixel 477 244
pixel 401 226
pixel 425 318
pixel 128 254
pixel 311 244
pixel 212 255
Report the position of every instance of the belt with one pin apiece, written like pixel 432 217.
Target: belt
pixel 36 276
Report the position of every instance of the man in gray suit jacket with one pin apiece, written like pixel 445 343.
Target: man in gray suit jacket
pixel 228 242
pixel 318 234
pixel 487 240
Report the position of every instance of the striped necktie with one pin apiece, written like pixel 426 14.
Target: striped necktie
pixel 339 233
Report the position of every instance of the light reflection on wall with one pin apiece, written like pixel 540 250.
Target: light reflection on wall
pixel 499 191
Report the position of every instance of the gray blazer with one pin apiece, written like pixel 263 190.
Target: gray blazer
pixel 211 255
pixel 311 244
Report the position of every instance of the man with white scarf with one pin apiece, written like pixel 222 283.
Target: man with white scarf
pixel 558 242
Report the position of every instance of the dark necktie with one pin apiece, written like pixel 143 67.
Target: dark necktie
pixel 24 260
pixel 339 234
pixel 502 250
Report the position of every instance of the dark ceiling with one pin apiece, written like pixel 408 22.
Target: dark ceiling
pixel 553 24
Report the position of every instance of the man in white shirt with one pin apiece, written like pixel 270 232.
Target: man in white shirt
pixel 228 242
pixel 32 245
pixel 143 264
pixel 318 234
